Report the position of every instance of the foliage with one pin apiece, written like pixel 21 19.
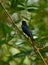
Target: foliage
pixel 15 48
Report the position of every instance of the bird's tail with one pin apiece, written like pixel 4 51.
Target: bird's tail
pixel 32 39
pixel 33 43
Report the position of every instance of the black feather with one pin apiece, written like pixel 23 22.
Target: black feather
pixel 25 29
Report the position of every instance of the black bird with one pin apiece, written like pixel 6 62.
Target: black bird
pixel 26 29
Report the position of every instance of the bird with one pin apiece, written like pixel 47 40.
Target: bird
pixel 26 30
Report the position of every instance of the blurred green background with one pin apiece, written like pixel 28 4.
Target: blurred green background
pixel 15 49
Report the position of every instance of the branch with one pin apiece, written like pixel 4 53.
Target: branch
pixel 15 26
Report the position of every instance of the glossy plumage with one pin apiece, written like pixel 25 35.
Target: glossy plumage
pixel 26 29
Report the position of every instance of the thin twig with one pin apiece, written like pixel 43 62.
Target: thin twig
pixel 35 48
pixel 41 56
pixel 21 31
pixel 9 16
